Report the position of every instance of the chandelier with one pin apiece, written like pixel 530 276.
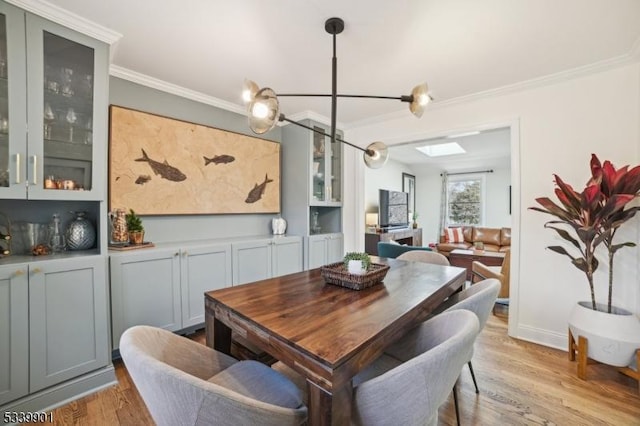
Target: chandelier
pixel 263 107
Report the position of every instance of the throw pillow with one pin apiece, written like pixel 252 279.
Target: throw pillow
pixel 454 235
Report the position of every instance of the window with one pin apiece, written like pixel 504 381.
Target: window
pixel 465 200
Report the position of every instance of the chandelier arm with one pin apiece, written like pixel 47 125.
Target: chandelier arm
pixel 313 129
pixel 404 98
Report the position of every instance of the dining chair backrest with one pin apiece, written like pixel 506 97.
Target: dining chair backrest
pixel 411 393
pixel 183 382
pixel 478 298
pixel 425 256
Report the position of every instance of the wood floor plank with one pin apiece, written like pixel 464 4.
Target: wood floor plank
pixel 521 383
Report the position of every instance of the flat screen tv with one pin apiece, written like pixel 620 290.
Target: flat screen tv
pixel 394 209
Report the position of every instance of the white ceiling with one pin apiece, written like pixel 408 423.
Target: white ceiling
pixel 459 47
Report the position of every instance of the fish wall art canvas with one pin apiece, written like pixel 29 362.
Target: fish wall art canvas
pixel 164 166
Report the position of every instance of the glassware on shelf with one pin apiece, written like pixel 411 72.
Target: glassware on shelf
pixel 88 137
pixel 86 86
pixel 49 118
pixel 67 78
pixel 57 241
pixel 315 226
pixel 71 118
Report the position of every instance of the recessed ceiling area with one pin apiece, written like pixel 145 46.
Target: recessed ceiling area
pixel 487 149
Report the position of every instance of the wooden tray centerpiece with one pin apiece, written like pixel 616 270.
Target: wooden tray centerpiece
pixel 338 273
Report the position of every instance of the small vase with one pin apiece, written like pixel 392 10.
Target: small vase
pixel 136 237
pixel 81 235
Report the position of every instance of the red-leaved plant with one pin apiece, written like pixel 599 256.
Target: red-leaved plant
pixel 595 215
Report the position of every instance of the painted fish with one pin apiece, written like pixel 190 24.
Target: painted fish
pixel 163 169
pixel 142 179
pixel 256 193
pixel 219 159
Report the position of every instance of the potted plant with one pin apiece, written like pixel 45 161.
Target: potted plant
pixel 134 227
pixel 357 263
pixel 415 219
pixel 588 220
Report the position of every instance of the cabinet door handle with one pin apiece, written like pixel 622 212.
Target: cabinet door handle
pixel 177 253
pixel 185 253
pixel 35 170
pixel 36 270
pixel 19 273
pixel 18 168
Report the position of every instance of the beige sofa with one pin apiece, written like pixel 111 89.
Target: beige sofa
pixel 492 239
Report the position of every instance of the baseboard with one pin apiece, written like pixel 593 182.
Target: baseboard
pixel 63 393
pixel 542 337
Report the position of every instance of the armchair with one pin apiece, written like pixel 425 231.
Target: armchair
pixel 481 271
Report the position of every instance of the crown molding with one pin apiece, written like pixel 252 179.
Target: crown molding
pixel 68 19
pixel 145 80
pixel 608 64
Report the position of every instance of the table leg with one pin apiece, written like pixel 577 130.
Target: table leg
pixel 327 408
pixel 221 339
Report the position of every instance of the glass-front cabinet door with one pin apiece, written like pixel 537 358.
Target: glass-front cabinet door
pixel 67 87
pixel 13 104
pixel 326 171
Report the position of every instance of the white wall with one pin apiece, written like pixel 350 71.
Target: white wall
pixel 387 177
pixel 556 127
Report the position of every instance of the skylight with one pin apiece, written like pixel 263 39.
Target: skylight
pixel 439 150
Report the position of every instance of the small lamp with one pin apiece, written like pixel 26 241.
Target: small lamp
pixel 371 220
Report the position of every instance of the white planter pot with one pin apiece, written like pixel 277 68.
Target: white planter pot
pixel 612 338
pixel 355 267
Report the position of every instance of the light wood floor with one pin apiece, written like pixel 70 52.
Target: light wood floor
pixel 520 384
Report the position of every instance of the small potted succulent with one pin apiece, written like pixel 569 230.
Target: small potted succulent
pixel 357 263
pixel 135 228
pixel 414 217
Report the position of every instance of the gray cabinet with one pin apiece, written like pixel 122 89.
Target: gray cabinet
pixel 259 259
pixel 164 287
pixel 312 172
pixel 59 331
pixel 64 76
pixel 324 249
pixel 14 332
pixel 203 268
pixel 68 329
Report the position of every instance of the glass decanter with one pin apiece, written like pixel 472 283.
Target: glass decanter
pixel 56 237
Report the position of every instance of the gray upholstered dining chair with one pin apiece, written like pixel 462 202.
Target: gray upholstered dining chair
pixel 183 382
pixel 425 256
pixel 478 298
pixel 417 386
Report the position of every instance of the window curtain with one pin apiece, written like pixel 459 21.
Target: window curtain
pixel 444 201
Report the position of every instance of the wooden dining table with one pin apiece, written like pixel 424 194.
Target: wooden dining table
pixel 325 332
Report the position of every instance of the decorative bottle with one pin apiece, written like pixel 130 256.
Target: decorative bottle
pixel 56 238
pixel 81 234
